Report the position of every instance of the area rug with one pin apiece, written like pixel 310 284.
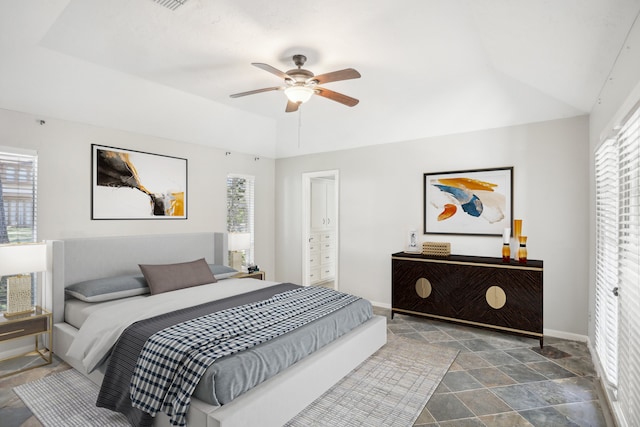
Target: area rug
pixel 67 399
pixel 389 389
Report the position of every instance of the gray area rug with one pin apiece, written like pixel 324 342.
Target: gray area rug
pixel 67 399
pixel 389 389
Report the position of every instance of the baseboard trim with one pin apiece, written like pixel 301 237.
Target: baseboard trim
pixel 380 304
pixel 11 352
pixel 565 335
pixel 547 332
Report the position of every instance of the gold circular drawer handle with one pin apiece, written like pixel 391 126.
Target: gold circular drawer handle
pixel 496 297
pixel 423 287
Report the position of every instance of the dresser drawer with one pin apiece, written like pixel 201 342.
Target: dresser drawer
pixel 326 236
pixel 314 259
pixel 314 275
pixel 326 245
pixel 326 257
pixel 327 272
pixel 23 328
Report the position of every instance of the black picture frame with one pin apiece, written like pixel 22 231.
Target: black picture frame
pixel 130 184
pixel 468 202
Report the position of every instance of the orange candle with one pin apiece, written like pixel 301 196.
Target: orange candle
pixel 517 228
pixel 522 250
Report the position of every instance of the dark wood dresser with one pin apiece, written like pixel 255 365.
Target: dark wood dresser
pixel 477 291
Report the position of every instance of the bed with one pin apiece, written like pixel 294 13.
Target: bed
pixel 272 402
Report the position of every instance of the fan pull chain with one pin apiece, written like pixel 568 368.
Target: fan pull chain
pixel 299 124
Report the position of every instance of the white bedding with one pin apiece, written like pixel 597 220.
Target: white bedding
pixel 271 403
pixel 103 326
pixel 76 311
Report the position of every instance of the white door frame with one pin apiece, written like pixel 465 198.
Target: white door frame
pixel 306 220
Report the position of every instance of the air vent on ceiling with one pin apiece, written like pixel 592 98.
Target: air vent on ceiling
pixel 171 4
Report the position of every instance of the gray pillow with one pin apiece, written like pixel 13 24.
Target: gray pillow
pixel 222 271
pixel 170 277
pixel 108 288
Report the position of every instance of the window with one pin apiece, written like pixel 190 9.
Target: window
pixel 240 213
pixel 617 320
pixel 629 267
pixel 606 304
pixel 18 177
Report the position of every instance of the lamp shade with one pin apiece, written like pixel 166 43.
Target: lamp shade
pixel 298 94
pixel 239 241
pixel 22 258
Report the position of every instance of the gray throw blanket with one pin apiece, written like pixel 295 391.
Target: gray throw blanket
pixel 114 391
pixel 174 359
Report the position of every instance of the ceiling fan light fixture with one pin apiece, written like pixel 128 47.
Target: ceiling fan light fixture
pixel 298 93
pixel 301 84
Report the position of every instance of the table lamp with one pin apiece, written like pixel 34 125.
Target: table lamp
pixel 18 261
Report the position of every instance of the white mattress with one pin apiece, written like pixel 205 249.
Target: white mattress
pixel 104 324
pixel 76 311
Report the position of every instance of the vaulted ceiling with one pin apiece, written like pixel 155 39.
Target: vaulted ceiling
pixel 429 67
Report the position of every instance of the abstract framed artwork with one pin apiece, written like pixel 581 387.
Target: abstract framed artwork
pixel 478 202
pixel 129 184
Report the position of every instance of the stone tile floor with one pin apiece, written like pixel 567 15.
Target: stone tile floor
pixel 13 412
pixel 502 380
pixel 497 380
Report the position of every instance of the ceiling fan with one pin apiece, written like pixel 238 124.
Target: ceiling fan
pixel 301 84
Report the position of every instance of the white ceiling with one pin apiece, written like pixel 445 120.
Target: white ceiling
pixel 429 67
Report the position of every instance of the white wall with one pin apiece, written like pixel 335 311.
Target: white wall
pixel 381 199
pixel 380 195
pixel 64 185
pixel 64 181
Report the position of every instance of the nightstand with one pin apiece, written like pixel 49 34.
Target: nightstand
pixel 261 275
pixel 34 324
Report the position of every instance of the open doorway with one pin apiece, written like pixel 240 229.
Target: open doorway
pixel 320 228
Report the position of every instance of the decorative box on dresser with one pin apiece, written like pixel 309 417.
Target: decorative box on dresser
pixel 477 291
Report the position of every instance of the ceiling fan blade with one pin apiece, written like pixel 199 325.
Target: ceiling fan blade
pixel 291 107
pixel 346 74
pixel 251 92
pixel 272 70
pixel 336 96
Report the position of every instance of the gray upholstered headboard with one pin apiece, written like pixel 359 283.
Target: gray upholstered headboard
pixel 76 260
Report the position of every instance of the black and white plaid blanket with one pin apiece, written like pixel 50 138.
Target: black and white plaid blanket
pixel 174 359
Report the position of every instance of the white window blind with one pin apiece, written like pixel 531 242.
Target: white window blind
pixel 629 268
pixel 18 203
pixel 240 210
pixel 606 303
